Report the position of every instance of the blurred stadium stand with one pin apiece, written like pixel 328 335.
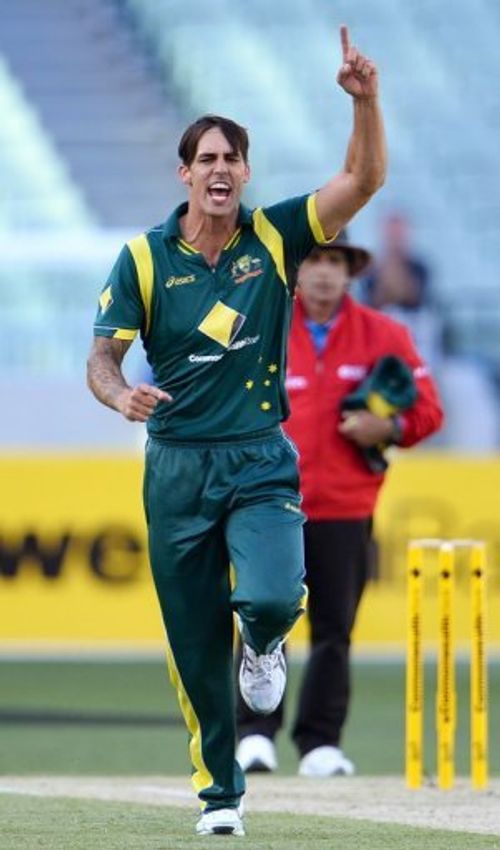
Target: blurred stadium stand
pixel 106 86
pixel 36 187
pixel 96 92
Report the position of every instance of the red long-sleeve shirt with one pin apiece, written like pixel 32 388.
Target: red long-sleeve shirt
pixel 335 480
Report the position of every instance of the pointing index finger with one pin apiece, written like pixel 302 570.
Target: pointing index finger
pixel 344 40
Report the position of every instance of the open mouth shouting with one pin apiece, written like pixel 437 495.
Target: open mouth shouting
pixel 219 191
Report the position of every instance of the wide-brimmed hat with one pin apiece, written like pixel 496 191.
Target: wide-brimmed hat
pixel 357 257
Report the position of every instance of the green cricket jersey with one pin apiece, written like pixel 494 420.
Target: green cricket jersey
pixel 215 337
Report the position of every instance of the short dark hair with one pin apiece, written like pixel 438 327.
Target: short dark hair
pixel 236 135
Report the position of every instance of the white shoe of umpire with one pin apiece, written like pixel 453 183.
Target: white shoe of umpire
pixel 256 754
pixel 325 761
pixel 220 822
pixel 262 679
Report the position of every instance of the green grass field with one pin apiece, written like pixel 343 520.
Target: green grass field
pixel 94 825
pixel 107 691
pixel 108 718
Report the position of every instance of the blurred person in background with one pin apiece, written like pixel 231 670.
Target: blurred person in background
pixel 334 346
pixel 221 479
pixel 399 283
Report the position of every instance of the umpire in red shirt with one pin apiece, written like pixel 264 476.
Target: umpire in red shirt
pixel 334 344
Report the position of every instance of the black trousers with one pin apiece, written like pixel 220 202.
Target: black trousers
pixel 338 560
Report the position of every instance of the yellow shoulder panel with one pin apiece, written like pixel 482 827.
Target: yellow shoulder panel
pixel 141 252
pixel 272 239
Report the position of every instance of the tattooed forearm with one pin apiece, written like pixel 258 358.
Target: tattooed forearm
pixel 104 374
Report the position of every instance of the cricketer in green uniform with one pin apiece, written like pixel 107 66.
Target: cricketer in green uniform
pixel 221 481
pixel 210 293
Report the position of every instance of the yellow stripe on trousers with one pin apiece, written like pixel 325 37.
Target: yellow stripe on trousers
pixel 201 778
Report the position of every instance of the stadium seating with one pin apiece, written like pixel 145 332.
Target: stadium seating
pixel 36 187
pixel 96 92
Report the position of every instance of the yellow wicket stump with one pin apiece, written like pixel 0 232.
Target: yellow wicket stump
pixel 446 708
pixel 414 670
pixel 478 669
pixel 446 689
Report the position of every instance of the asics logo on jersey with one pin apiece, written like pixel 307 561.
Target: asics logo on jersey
pixel 179 281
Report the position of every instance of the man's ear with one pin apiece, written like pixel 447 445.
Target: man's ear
pixel 247 174
pixel 184 173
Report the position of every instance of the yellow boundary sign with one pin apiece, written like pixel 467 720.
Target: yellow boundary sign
pixel 73 559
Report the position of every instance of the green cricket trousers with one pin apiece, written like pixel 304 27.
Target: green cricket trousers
pixel 209 506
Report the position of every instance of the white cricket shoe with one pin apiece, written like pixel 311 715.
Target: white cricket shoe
pixel 220 822
pixel 256 754
pixel 325 761
pixel 262 679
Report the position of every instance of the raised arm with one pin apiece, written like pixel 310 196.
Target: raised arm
pixel 105 379
pixel 365 166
